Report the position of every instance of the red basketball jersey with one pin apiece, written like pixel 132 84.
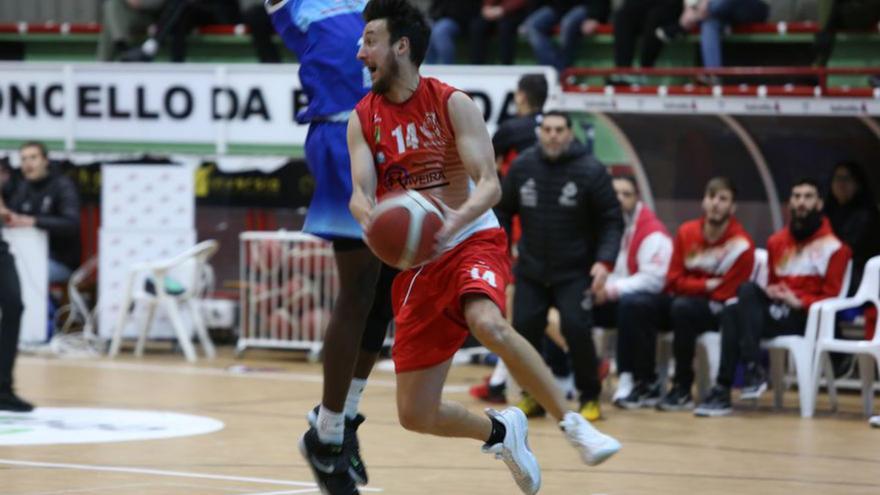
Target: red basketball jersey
pixel 413 147
pixel 413 143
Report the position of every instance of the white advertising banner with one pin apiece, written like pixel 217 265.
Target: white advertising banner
pixel 147 214
pixel 218 105
pixel 732 105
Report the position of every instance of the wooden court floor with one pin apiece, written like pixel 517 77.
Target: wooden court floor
pixel 263 398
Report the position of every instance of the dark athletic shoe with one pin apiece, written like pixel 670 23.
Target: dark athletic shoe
pixel 754 383
pixel 716 404
pixel 329 465
pixel 677 399
pixel 13 403
pixel 350 444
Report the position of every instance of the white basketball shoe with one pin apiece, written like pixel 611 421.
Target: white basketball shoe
pixel 514 450
pixel 594 446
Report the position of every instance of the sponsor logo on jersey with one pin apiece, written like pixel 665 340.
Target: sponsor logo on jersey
pixel 431 176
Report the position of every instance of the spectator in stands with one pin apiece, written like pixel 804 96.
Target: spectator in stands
pixel 195 13
pixel 177 19
pixel 807 263
pixel 505 16
pixel 713 16
pixel 632 298
pixel 835 15
pixel 852 210
pixel 48 200
pixel 122 22
pixel 712 256
pixel 257 20
pixel 11 309
pixel 450 18
pixel 576 18
pixel 640 18
pixel 571 224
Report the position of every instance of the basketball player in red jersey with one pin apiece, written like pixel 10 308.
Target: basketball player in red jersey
pixel 416 132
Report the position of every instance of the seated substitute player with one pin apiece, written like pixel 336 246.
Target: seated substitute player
pixel 807 263
pixel 711 257
pixel 632 298
pixel 434 135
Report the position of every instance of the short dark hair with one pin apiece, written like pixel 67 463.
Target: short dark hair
pixel 720 183
pixel 404 20
pixel 534 87
pixel 559 113
pixel 35 144
pixel 630 179
pixel 807 181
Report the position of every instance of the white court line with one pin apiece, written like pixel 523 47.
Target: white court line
pixel 289 492
pixel 161 472
pixel 139 485
pixel 94 489
pixel 188 370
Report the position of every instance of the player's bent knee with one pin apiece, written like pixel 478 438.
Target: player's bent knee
pixel 416 419
pixel 492 332
pixel 486 323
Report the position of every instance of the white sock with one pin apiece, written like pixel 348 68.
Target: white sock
pixel 331 426
pixel 353 399
pixel 499 375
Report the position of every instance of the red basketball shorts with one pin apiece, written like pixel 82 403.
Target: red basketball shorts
pixel 428 314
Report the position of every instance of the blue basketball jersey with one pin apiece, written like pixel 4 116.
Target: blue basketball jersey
pixel 325 35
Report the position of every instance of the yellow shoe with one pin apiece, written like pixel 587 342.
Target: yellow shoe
pixel 591 410
pixel 530 407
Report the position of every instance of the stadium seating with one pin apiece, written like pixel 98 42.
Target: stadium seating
pixel 779 42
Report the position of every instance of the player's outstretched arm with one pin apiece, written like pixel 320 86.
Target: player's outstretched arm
pixel 363 173
pixel 475 149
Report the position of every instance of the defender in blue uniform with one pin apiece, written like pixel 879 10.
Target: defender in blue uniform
pixel 325 36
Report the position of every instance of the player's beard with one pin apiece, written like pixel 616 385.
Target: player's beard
pixel 383 84
pixel 802 227
pixel 717 222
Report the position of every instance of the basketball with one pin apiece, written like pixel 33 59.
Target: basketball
pixel 402 229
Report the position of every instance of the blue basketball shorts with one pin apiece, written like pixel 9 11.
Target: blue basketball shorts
pixel 328 161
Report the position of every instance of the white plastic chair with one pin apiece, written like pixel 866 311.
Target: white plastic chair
pixel 196 277
pixel 868 351
pixel 802 349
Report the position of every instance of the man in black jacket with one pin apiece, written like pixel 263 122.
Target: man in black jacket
pixel 10 325
pixel 517 133
pixel 571 229
pixel 48 201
